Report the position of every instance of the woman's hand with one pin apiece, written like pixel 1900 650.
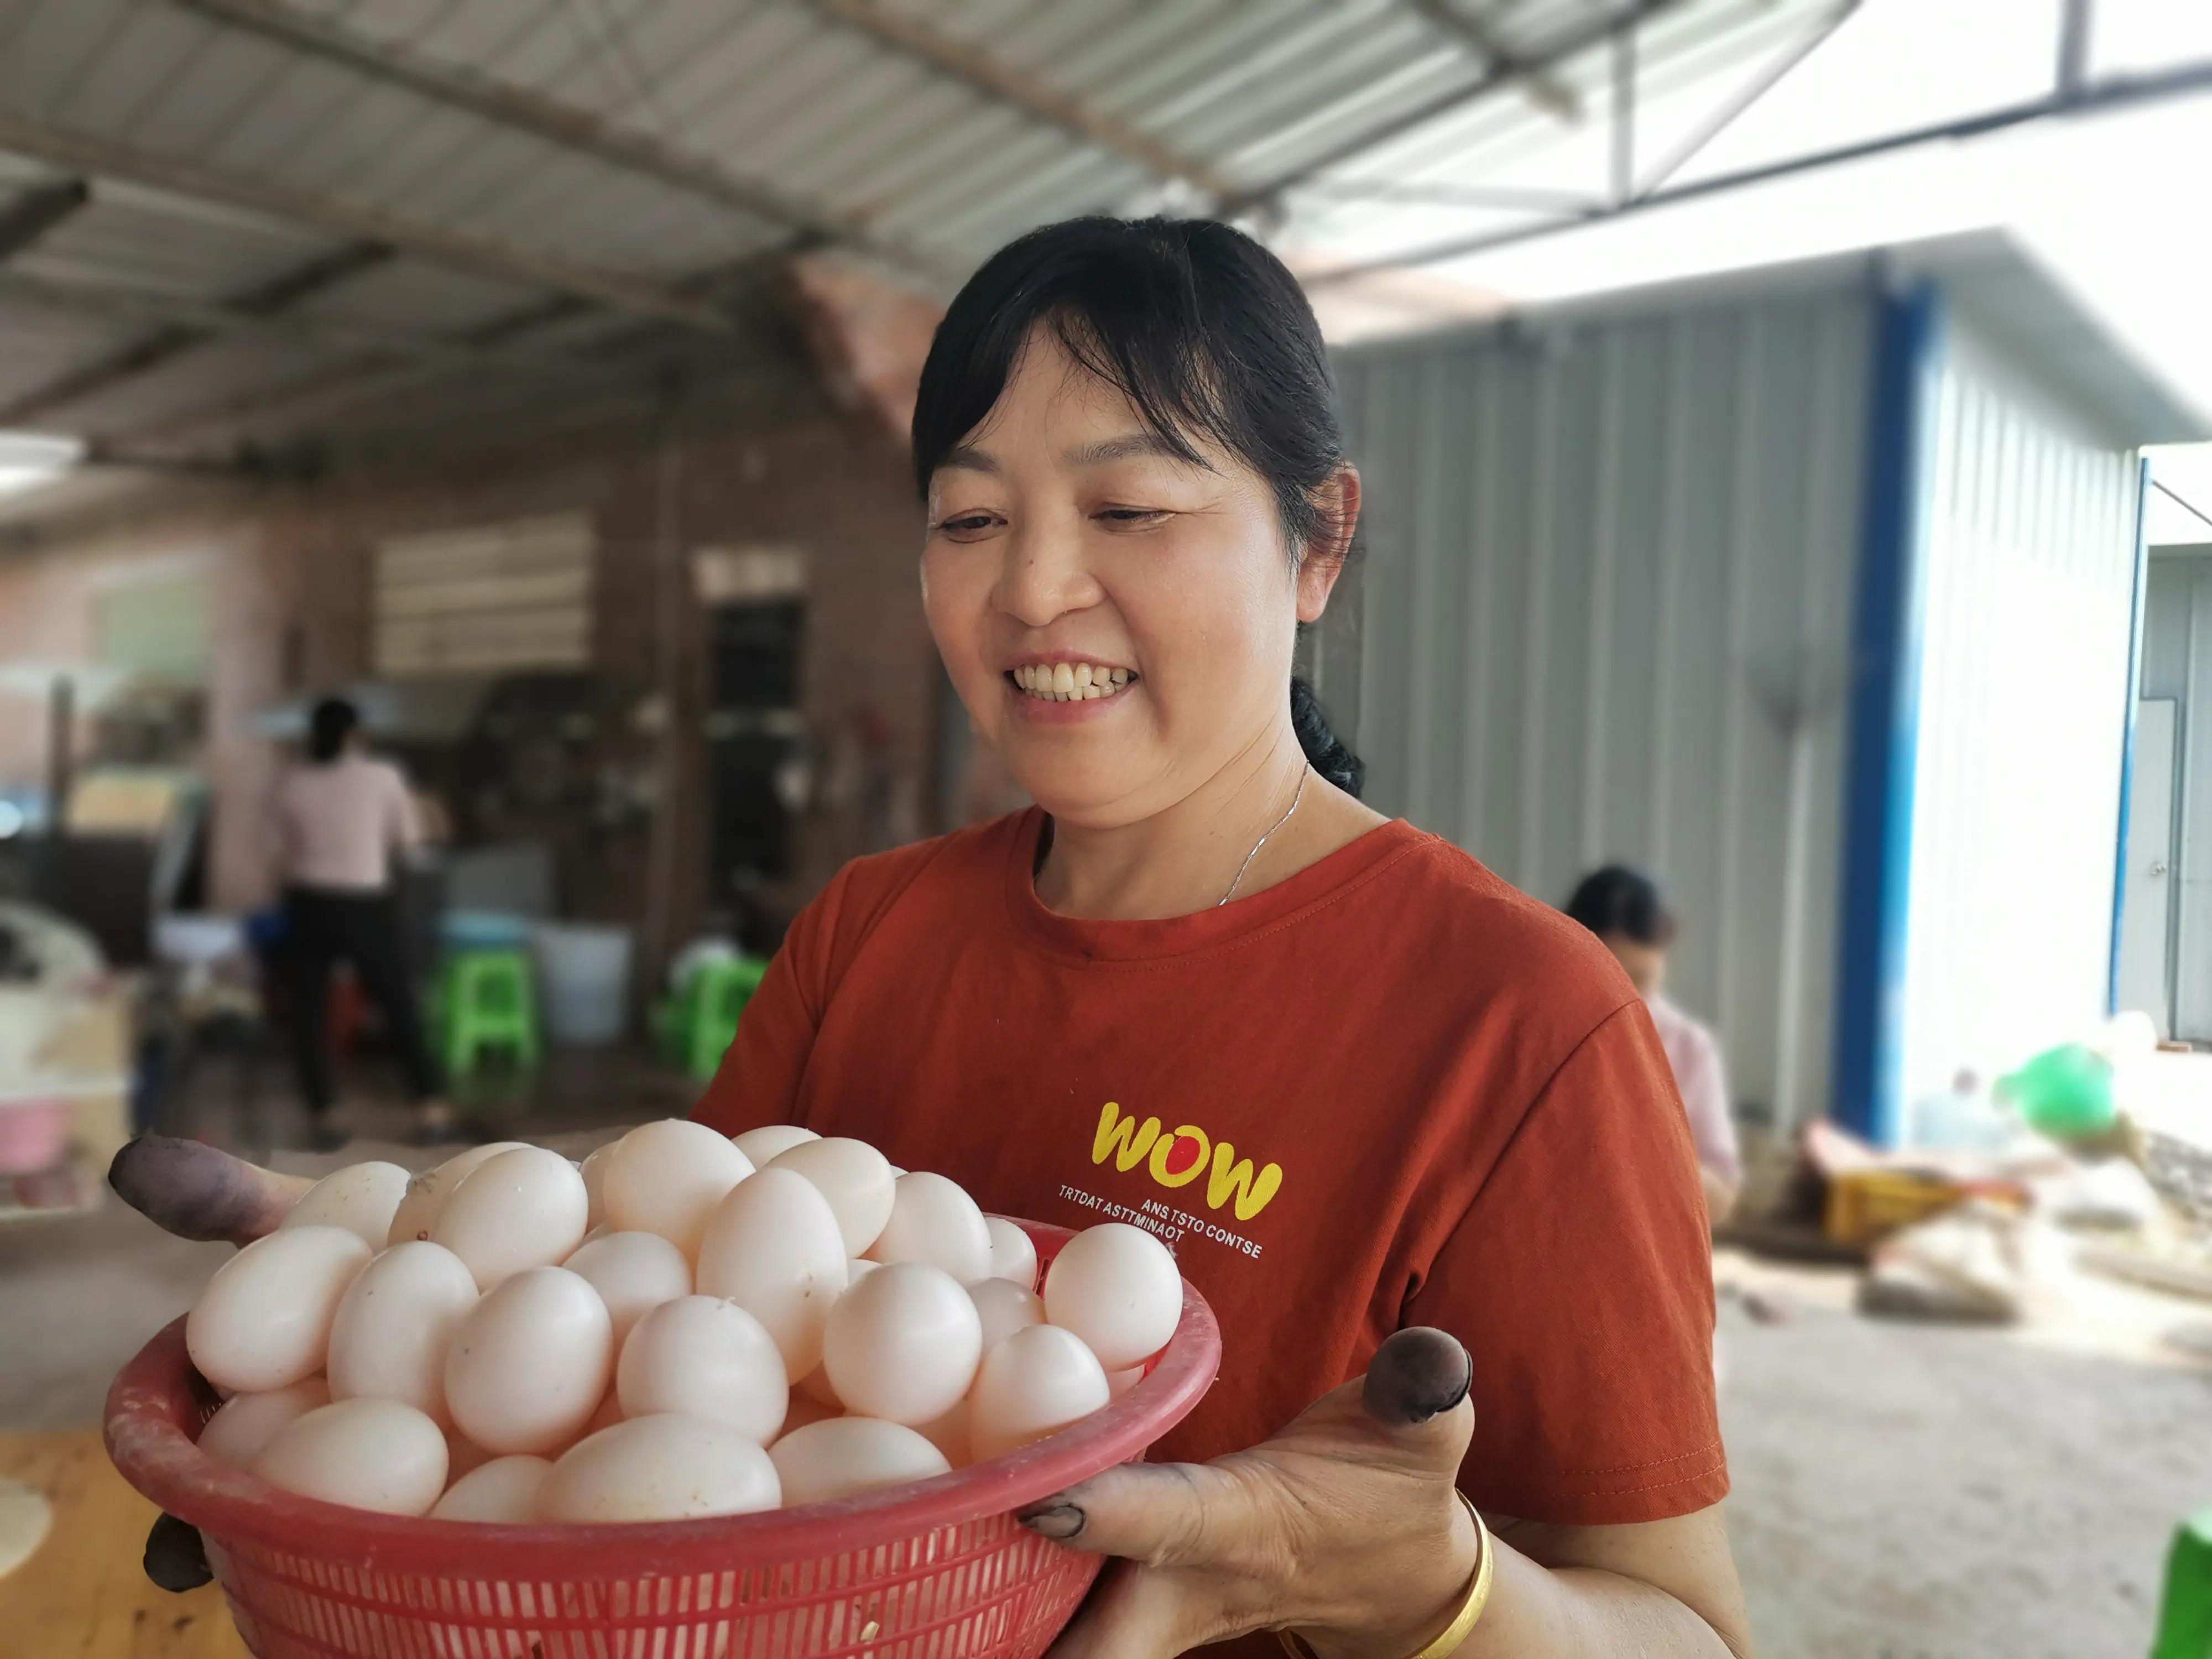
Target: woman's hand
pixel 1346 1526
pixel 197 1191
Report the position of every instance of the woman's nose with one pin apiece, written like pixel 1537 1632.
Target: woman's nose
pixel 1045 575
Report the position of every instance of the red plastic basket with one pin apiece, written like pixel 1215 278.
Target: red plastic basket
pixel 936 1571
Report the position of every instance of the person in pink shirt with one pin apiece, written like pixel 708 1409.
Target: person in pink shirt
pixel 339 818
pixel 1622 906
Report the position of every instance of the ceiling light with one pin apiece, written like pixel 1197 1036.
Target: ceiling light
pixel 28 459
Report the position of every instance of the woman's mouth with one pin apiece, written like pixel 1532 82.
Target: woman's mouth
pixel 1068 682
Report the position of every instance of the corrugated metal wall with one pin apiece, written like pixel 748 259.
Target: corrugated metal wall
pixel 2177 663
pixel 1606 614
pixel 2029 594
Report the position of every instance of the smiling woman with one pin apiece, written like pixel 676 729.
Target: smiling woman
pixel 1393 1116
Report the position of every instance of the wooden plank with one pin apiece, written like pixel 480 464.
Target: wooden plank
pixel 83 1596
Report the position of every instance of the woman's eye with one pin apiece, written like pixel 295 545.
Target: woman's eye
pixel 966 524
pixel 1131 514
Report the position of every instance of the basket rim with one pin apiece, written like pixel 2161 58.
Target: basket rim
pixel 154 1397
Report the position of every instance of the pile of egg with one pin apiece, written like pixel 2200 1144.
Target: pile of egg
pixel 685 1324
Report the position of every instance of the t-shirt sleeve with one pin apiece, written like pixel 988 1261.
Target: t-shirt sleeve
pixel 758 1082
pixel 1580 1281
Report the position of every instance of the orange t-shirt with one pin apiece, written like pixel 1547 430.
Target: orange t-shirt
pixel 1390 1090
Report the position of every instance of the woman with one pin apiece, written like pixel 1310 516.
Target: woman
pixel 1366 1089
pixel 1359 1082
pixel 1623 908
pixel 339 818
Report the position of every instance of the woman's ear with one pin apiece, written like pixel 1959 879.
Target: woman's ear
pixel 1324 554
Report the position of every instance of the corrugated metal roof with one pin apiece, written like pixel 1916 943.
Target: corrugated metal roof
pixel 1005 114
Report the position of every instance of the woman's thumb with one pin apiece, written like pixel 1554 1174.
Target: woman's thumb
pixel 1417 1382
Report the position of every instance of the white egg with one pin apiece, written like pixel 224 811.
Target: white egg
pixel 771 1141
pixel 774 1247
pixel 858 1268
pixel 245 1423
pixel 395 1324
pixel 667 1176
pixel 595 1172
pixel 847 1454
pixel 427 1192
pixel 902 1344
pixel 933 1221
pixel 633 1272
pixel 856 1179
pixel 522 1209
pixel 1034 1384
pixel 1014 1252
pixel 1116 1287
pixel 264 1320
pixel 949 1434
pixel 363 1197
pixel 504 1490
pixel 803 1411
pixel 702 1357
pixel 530 1363
pixel 369 1453
pixel 1004 1308
pixel 664 1468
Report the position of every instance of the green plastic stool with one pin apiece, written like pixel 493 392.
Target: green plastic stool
pixel 487 999
pixel 2185 1624
pixel 701 1020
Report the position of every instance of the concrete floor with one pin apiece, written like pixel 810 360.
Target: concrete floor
pixel 1902 1491
pixel 1925 1491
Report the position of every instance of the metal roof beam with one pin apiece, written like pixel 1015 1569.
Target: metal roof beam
pixel 956 58
pixel 23 221
pixel 354 221
pixel 1545 89
pixel 1568 43
pixel 2186 80
pixel 141 308
pixel 557 122
pixel 175 334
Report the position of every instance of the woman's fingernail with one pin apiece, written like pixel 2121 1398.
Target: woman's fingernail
pixel 1055 1521
pixel 1418 1374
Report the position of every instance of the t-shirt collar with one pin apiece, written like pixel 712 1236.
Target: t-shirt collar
pixel 1323 882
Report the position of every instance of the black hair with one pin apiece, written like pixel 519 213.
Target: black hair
pixel 1206 333
pixel 328 728
pixel 1623 900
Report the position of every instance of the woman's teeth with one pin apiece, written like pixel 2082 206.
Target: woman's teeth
pixel 1070 682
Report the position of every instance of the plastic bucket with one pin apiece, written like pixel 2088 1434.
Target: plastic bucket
pixel 583 981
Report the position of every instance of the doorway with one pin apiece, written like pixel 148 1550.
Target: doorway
pixel 2145 979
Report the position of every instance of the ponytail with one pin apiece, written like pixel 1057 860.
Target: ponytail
pixel 1325 752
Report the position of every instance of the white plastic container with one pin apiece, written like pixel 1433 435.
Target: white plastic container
pixel 583 979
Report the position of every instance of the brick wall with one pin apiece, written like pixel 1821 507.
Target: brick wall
pixel 290 596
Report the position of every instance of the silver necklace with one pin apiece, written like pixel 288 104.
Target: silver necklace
pixel 1296 796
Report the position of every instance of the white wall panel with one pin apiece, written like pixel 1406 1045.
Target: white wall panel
pixel 1605 615
pixel 2023 699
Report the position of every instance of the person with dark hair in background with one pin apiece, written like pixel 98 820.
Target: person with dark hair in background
pixel 1623 908
pixel 340 818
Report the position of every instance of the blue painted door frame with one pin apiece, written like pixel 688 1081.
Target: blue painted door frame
pixel 1881 753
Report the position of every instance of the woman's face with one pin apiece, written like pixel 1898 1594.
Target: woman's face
pixel 1067 545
